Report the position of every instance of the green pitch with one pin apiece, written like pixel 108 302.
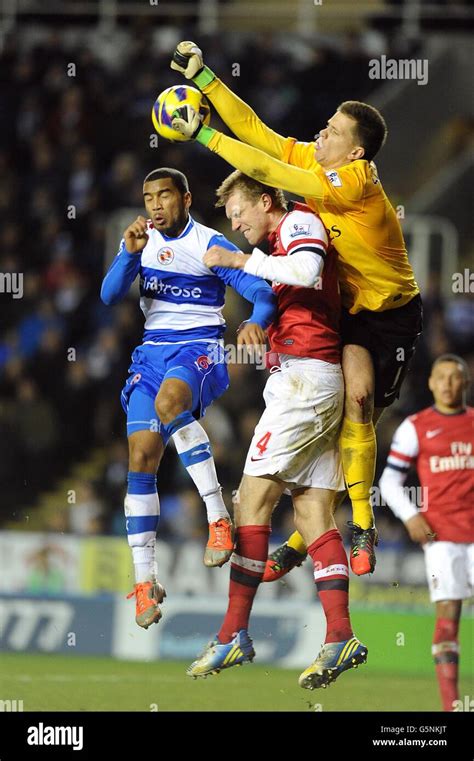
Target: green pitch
pixel 78 683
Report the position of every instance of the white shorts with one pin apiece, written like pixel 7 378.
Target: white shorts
pixel 450 570
pixel 296 439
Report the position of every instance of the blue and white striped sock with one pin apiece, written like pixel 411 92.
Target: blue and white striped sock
pixel 142 513
pixel 194 449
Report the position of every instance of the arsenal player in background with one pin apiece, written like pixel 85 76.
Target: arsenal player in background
pixel 438 442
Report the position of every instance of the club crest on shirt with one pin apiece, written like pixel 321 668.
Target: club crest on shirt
pixel 334 178
pixel 165 255
pixel 299 229
pixel 203 362
pixel 135 378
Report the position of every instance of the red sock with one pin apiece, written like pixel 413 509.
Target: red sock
pixel 331 575
pixel 247 565
pixel 445 652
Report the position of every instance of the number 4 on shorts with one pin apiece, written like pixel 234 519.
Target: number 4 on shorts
pixel 263 443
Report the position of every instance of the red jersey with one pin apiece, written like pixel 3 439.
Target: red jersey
pixel 441 448
pixel 307 321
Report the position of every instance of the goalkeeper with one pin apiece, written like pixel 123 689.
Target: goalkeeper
pixel 382 311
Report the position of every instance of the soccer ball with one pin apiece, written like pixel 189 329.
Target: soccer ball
pixel 166 104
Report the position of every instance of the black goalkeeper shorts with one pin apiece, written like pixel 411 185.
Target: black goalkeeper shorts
pixel 390 337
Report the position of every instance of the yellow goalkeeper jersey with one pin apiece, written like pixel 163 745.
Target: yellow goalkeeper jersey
pixel 373 267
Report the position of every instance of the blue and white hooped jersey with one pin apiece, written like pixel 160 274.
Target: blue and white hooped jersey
pixel 181 298
pixel 178 291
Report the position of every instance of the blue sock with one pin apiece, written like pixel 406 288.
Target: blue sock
pixel 142 513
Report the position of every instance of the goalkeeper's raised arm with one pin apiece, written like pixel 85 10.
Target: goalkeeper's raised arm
pixel 237 115
pixel 356 131
pixel 249 160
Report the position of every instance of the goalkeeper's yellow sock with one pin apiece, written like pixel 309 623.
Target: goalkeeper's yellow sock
pixel 296 542
pixel 358 447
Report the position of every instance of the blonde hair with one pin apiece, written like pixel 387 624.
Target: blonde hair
pixel 252 189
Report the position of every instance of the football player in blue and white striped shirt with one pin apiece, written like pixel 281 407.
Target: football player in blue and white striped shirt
pixel 179 369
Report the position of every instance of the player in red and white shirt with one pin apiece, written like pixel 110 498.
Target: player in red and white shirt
pixel 438 442
pixel 295 444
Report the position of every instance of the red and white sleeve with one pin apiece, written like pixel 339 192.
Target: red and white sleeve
pixel 305 241
pixel 402 456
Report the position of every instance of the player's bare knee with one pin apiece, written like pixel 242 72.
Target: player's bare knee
pixel 142 458
pixel 255 500
pixel 169 405
pixel 359 403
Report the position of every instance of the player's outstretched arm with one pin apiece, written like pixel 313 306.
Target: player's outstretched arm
pixel 302 268
pixel 251 288
pixel 263 168
pixel 126 265
pixel 237 115
pixel 251 161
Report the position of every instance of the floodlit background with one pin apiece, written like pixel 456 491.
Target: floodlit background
pixel 78 80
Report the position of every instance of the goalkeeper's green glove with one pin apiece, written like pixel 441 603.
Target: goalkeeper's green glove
pixel 188 122
pixel 188 59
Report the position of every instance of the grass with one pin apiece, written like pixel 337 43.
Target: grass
pixel 79 683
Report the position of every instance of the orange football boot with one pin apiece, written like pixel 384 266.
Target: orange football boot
pixel 148 596
pixel 220 545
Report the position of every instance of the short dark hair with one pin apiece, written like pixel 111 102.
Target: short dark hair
pixel 371 129
pixel 251 188
pixel 180 181
pixel 453 358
